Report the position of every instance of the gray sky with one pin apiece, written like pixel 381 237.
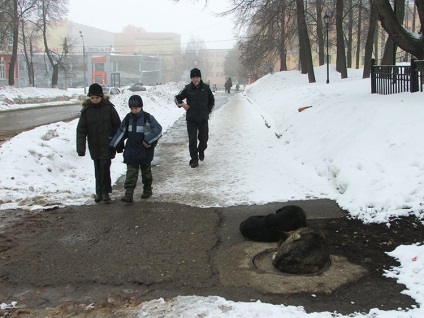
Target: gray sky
pixel 186 18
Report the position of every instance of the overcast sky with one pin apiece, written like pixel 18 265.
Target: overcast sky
pixel 188 18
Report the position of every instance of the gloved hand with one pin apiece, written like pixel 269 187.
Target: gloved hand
pixel 81 154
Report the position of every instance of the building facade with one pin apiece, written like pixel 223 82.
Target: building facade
pixel 88 55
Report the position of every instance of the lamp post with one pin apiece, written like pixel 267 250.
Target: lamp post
pixel 85 63
pixel 327 22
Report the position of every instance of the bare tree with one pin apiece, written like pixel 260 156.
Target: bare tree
pixel 15 10
pixel 193 56
pixel 15 30
pixel 27 50
pixel 389 55
pixel 320 32
pixel 341 55
pixel 372 30
pixel 304 43
pixel 51 11
pixel 233 66
pixel 413 44
pixel 359 35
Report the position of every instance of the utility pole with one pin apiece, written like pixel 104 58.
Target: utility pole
pixel 85 63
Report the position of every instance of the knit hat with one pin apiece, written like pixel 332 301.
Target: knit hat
pixel 95 90
pixel 135 101
pixel 195 72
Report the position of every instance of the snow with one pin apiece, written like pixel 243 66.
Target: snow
pixel 362 150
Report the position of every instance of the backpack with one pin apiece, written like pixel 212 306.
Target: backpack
pixel 146 120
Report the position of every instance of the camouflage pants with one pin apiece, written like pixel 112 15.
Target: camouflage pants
pixel 132 176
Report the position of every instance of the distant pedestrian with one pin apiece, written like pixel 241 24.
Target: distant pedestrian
pixel 228 84
pixel 142 131
pixel 199 104
pixel 97 124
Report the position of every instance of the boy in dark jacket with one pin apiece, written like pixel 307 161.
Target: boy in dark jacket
pixel 142 132
pixel 199 103
pixel 98 123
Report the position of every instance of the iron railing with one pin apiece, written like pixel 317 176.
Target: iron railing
pixel 393 79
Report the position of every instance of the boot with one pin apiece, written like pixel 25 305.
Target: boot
pixel 146 194
pixel 98 197
pixel 106 198
pixel 194 163
pixel 128 197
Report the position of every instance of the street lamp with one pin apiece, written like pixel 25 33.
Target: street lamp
pixel 85 63
pixel 327 22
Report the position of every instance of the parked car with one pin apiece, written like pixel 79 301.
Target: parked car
pixel 104 87
pixel 113 91
pixel 137 87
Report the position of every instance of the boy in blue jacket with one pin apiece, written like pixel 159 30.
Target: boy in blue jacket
pixel 142 132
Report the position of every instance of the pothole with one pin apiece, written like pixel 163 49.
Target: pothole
pixel 249 264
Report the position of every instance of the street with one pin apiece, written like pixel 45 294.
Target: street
pixel 14 122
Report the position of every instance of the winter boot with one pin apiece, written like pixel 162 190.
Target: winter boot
pixel 194 163
pixel 98 197
pixel 128 197
pixel 106 198
pixel 146 194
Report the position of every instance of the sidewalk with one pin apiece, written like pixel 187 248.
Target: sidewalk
pixel 115 255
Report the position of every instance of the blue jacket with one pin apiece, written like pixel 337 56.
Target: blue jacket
pixel 137 128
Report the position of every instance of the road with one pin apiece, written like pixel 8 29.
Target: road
pixel 14 122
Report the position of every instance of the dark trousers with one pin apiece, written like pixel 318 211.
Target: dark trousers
pixel 197 130
pixel 102 174
pixel 132 176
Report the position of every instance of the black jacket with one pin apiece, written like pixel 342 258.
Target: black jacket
pixel 200 99
pixel 97 125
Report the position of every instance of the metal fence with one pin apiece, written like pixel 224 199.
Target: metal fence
pixel 393 79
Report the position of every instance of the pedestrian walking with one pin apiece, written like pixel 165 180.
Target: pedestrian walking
pixel 228 84
pixel 97 124
pixel 142 132
pixel 199 102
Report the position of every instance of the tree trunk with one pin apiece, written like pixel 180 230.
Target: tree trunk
pixel 282 49
pixel 359 36
pixel 350 35
pixel 341 55
pixel 26 55
pixel 55 75
pixel 420 8
pixel 46 45
pixel 389 55
pixel 14 56
pixel 401 36
pixel 372 31
pixel 320 33
pixel 376 37
pixel 305 45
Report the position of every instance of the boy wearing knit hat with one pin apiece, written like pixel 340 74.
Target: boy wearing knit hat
pixel 98 122
pixel 199 103
pixel 142 131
